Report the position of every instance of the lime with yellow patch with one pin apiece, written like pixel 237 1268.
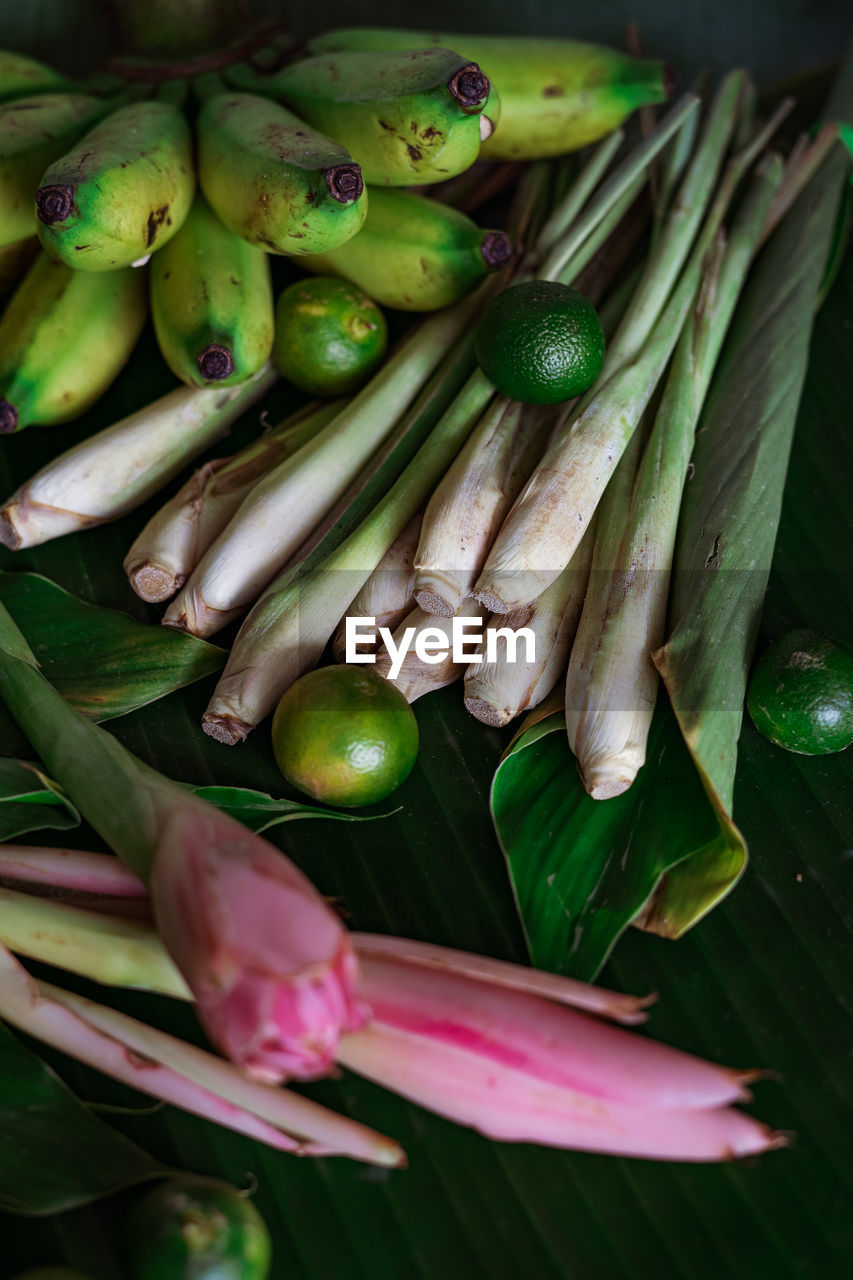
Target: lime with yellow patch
pixel 345 736
pixel 801 694
pixel 330 336
pixel 540 342
pixel 194 1228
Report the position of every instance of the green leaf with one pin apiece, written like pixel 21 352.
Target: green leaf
pixel 584 869
pixel 54 1153
pixel 259 811
pixel 104 662
pixel 30 801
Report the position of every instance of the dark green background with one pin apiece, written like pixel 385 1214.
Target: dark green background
pixel 764 981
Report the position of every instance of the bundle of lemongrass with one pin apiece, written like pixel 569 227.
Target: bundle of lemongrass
pixel 505 494
pixel 427 498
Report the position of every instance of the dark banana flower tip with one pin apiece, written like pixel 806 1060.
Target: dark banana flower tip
pixel 8 417
pixel 345 182
pixel 496 248
pixel 215 363
pixel 54 203
pixel 469 86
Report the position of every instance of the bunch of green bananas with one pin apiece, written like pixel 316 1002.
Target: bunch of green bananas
pixel 281 155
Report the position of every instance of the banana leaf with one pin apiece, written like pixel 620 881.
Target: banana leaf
pixel 44 1132
pixel 103 661
pixel 765 979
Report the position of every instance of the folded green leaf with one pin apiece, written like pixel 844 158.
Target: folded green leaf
pixel 30 801
pixel 104 662
pixel 584 869
pixel 55 1154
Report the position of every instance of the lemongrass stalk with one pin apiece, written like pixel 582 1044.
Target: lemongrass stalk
pixel 610 192
pixel 465 512
pixel 674 163
pixel 69 870
pixel 286 632
pixel 170 546
pixel 281 511
pixel 595 241
pixel 567 210
pixel 115 948
pixel 803 164
pixel 611 687
pixel 498 691
pixel 388 594
pixel 113 472
pixel 548 519
pixel 415 675
pixel 687 210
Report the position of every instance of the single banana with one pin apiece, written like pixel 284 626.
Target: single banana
pixel 15 259
pixel 122 192
pixel 33 132
pixel 414 254
pixel 406 118
pixel 64 337
pixel 273 180
pixel 211 302
pixel 20 75
pixel 556 95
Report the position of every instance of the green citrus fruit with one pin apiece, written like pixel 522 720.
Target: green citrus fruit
pixel 801 694
pixel 329 336
pixel 540 342
pixel 345 736
pixel 193 1228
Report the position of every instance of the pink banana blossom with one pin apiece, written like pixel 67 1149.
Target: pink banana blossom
pixel 270 965
pixel 504 1053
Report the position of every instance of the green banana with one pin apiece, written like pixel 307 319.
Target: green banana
pixel 556 95
pixel 406 117
pixel 20 75
pixel 414 254
pixel 14 261
pixel 211 301
pixel 122 192
pixel 64 337
pixel 33 132
pixel 273 180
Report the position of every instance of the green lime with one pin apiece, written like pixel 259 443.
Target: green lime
pixel 345 736
pixel 540 342
pixel 329 336
pixel 801 693
pixel 193 1228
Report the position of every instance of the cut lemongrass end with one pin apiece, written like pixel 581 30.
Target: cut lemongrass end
pixel 503 684
pixel 280 512
pixel 467 508
pixel 169 547
pixel 421 657
pixel 116 470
